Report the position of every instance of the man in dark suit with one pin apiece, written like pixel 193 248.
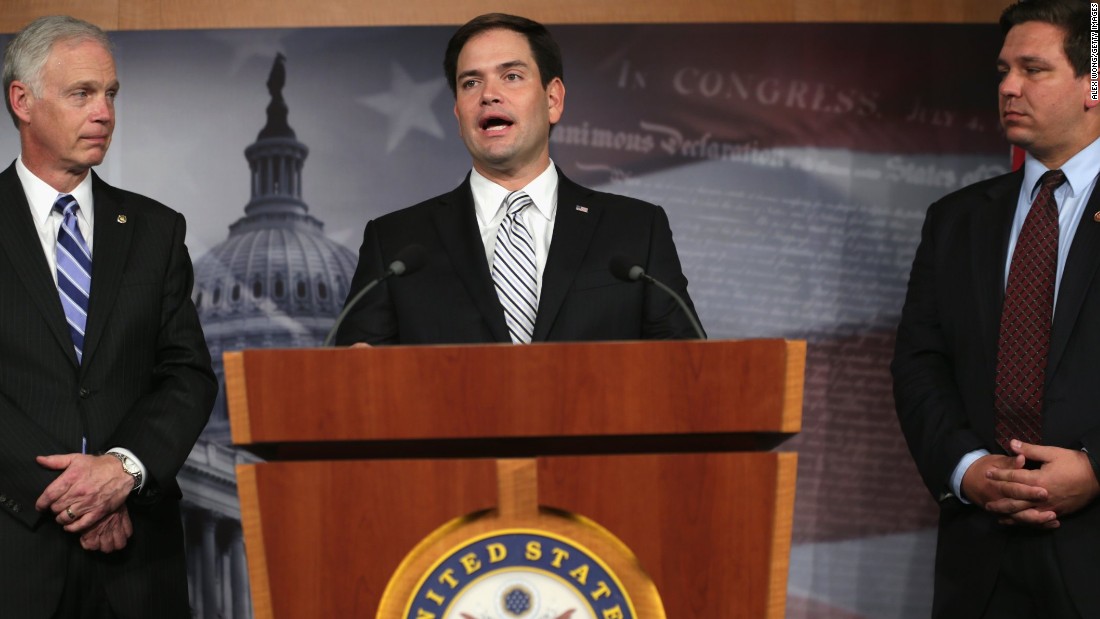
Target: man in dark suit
pixel 518 252
pixel 995 371
pixel 105 382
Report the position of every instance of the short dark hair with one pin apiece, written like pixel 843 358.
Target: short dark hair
pixel 1072 16
pixel 543 46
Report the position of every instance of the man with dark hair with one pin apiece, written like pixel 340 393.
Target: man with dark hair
pixel 1072 16
pixel 517 253
pixel 106 381
pixel 998 346
pixel 544 48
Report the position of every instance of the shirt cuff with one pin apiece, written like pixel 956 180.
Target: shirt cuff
pixel 129 454
pixel 960 471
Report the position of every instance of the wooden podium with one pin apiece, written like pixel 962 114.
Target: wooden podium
pixel 372 450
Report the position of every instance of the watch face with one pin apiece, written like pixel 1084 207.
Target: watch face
pixel 131 467
pixel 128 464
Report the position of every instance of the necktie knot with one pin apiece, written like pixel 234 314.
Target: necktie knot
pixel 66 205
pixel 1052 179
pixel 516 202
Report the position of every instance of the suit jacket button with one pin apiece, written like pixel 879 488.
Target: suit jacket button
pixel 15 508
pixel 84 393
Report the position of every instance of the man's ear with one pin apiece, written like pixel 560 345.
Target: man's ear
pixel 555 98
pixel 21 99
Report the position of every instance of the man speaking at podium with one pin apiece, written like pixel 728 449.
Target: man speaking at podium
pixel 518 252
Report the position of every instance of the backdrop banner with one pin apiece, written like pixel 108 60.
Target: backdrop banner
pixel 796 162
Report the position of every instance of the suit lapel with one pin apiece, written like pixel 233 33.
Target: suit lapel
pixel 573 230
pixel 1078 275
pixel 456 225
pixel 19 240
pixel 114 224
pixel 990 253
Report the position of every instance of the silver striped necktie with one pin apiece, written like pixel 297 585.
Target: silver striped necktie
pixel 514 271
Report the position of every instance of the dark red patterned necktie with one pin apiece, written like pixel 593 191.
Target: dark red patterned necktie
pixel 1025 320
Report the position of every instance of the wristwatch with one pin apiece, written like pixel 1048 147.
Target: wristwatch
pixel 132 469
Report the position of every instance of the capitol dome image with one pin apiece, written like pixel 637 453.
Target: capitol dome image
pixel 276 282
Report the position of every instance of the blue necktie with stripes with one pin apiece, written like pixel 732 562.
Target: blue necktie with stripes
pixel 74 271
pixel 514 272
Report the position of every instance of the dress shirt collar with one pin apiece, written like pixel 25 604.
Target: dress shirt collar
pixel 40 196
pixel 489 196
pixel 1080 171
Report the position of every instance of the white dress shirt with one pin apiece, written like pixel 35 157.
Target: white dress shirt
pixel 489 205
pixel 41 197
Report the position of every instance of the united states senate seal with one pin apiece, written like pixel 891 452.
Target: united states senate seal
pixel 519 574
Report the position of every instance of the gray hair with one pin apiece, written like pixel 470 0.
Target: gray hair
pixel 26 54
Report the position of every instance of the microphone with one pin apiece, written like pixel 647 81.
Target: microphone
pixel 409 260
pixel 629 270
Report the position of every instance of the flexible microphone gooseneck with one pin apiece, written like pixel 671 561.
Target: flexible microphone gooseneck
pixel 629 270
pixel 409 260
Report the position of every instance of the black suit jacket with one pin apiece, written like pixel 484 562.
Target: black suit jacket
pixel 145 384
pixel 452 299
pixel 944 368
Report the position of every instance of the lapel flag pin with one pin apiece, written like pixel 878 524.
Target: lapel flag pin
pixel 584 209
pixel 121 219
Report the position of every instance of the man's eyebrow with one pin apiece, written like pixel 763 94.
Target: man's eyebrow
pixel 1024 59
pixel 92 85
pixel 500 67
pixel 468 73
